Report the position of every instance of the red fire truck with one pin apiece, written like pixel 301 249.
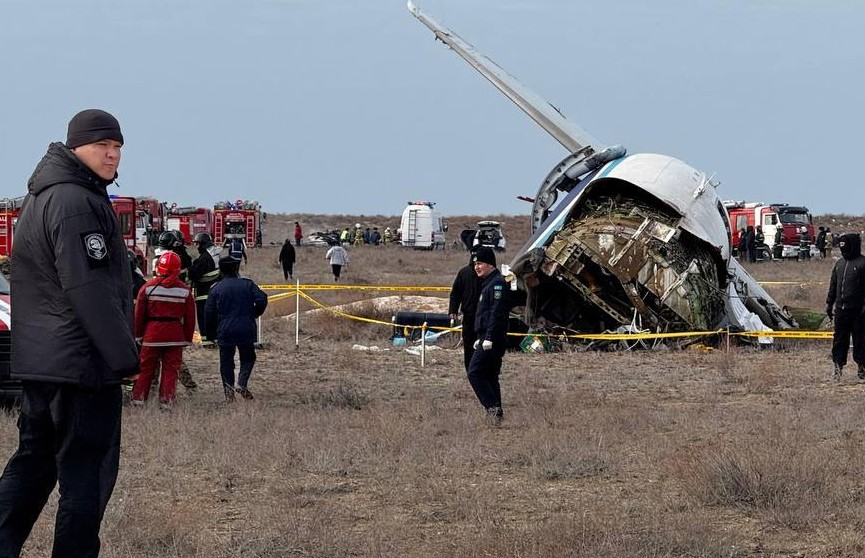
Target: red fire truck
pixel 238 219
pixel 133 224
pixel 770 217
pixel 189 221
pixel 9 210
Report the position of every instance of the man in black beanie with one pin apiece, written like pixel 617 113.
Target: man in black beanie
pixel 72 341
pixel 491 328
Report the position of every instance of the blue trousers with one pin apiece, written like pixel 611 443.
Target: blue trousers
pixel 226 363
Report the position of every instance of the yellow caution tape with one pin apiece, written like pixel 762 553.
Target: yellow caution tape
pixel 787 334
pixel 354 288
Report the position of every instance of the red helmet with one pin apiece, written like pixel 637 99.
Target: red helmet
pixel 168 264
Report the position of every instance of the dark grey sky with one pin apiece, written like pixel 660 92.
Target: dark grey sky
pixel 351 107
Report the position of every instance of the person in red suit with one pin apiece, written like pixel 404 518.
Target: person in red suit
pixel 164 324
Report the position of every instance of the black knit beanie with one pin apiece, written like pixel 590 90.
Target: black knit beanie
pixel 90 126
pixel 485 254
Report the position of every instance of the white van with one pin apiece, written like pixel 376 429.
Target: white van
pixel 422 226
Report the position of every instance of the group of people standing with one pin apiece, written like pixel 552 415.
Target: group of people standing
pixel 358 236
pixel 750 239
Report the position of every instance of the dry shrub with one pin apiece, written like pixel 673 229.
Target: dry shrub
pixel 343 396
pixel 592 535
pixel 783 481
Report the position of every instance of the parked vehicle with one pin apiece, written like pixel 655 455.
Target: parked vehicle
pixel 240 219
pixel 10 390
pixel 9 210
pixel 489 233
pixel 422 226
pixel 770 217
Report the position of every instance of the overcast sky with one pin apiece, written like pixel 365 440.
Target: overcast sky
pixel 349 106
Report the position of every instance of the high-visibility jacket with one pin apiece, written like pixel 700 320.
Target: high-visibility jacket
pixel 165 313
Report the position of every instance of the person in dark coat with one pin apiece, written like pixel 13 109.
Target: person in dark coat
pixel 845 302
pixel 138 279
pixel 778 247
pixel 464 298
pixel 286 259
pixel 751 244
pixel 203 274
pixel 820 242
pixel 72 340
pixel 232 308
pixel 491 329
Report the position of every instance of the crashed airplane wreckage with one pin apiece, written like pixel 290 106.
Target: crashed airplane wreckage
pixel 635 242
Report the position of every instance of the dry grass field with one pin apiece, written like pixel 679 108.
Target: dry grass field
pixel 662 453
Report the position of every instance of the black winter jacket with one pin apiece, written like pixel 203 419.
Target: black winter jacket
pixel 71 281
pixel 232 307
pixel 491 320
pixel 464 294
pixel 847 285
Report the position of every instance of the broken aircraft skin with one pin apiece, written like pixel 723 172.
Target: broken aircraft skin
pixel 635 240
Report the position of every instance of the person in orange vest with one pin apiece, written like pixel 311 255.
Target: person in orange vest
pixel 164 324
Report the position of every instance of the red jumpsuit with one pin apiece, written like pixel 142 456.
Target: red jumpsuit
pixel 164 323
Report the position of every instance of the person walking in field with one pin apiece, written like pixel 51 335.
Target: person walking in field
pixel 845 302
pixel 298 233
pixel 233 306
pixel 164 323
pixel 338 257
pixel 491 329
pixel 286 259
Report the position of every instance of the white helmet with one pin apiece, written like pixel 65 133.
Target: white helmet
pixel 357 225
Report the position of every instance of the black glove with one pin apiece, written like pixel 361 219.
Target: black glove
pixel 830 311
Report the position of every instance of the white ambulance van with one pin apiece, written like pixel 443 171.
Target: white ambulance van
pixel 422 226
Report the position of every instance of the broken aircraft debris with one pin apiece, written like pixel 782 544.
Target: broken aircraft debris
pixel 635 240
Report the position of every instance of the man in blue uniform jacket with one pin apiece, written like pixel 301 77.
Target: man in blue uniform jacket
pixel 491 327
pixel 233 305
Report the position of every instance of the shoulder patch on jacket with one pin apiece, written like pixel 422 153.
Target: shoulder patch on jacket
pixel 95 248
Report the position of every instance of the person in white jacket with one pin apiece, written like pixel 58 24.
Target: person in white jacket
pixel 338 257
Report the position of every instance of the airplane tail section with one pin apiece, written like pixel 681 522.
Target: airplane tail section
pixel 571 136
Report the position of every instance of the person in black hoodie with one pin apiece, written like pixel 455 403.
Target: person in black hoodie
pixel 286 259
pixel 845 303
pixel 72 340
pixel 464 296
